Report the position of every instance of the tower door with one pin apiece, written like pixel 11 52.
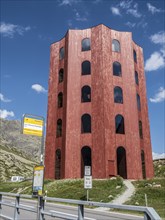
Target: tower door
pixel 85 159
pixel 58 164
pixel 121 162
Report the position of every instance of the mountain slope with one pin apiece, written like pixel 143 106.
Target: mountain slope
pixel 11 137
pixel 12 163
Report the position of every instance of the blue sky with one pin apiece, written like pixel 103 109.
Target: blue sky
pixel 29 27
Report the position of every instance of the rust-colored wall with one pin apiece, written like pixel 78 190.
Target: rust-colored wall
pixel 103 140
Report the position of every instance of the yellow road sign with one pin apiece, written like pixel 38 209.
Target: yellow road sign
pixel 33 126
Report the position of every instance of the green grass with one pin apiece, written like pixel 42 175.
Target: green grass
pixel 155 196
pixel 159 168
pixel 72 189
pixel 14 187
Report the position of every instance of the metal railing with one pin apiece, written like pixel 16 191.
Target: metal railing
pixel 148 212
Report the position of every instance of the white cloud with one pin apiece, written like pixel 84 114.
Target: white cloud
pixel 159 96
pixel 8 30
pixel 158 156
pixel 3 99
pixel 38 88
pixel 115 11
pixel 69 22
pixel 79 16
pixel 134 11
pixel 68 2
pixel 158 38
pixel 5 114
pixel 125 4
pixel 97 1
pixel 155 62
pixel 141 23
pixel 130 8
pixel 130 24
pixel 153 9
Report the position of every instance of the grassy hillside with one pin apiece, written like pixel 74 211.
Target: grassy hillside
pixel 155 191
pixel 102 190
pixel 159 168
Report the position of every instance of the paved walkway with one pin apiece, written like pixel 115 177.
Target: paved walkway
pixel 123 197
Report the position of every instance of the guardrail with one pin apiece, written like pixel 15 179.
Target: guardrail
pixel 149 212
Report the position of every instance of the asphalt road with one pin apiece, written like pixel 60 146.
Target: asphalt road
pixel 58 209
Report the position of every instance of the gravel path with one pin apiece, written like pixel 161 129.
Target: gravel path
pixel 123 197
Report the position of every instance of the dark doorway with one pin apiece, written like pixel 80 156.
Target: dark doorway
pixel 143 164
pixel 58 164
pixel 121 162
pixel 85 159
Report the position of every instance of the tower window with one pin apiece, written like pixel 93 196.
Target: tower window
pixel 86 123
pixel 58 164
pixel 140 130
pixel 138 102
pixel 62 53
pixel 59 128
pixel 61 75
pixel 60 100
pixel 115 45
pixel 85 94
pixel 86 68
pixel 119 121
pixel 85 44
pixel 118 95
pixel 134 56
pixel 136 78
pixel 117 69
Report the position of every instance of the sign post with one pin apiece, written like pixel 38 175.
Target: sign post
pixel 87 180
pixel 34 125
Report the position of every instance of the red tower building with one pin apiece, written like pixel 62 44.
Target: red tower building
pixel 97 107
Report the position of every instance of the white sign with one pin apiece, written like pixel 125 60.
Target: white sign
pixel 87 171
pixel 38 179
pixel 88 182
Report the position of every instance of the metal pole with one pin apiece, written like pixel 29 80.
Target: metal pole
pixel 146 201
pixel 80 212
pixel 42 145
pixel 87 194
pixel 16 211
pixel 0 203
